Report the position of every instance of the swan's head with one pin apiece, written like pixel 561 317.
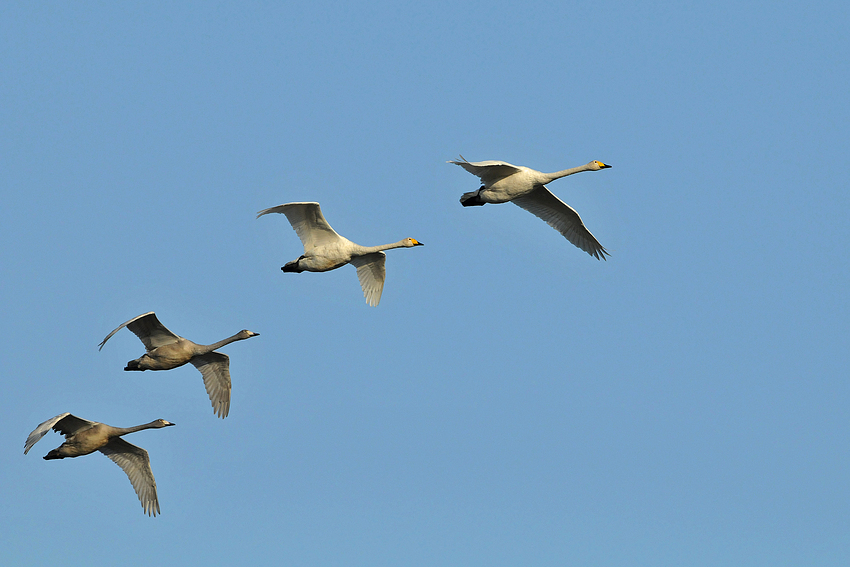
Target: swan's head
pixel 162 423
pixel 411 242
pixel 596 165
pixel 246 334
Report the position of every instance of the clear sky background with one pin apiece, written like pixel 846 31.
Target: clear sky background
pixel 512 401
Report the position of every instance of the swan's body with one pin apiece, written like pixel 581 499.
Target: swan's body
pixel 525 187
pixel 83 437
pixel 165 351
pixel 326 250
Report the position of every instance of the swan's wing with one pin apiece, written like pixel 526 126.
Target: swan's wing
pixel 64 423
pixel 489 171
pixel 309 223
pixel 563 218
pixel 371 272
pixel 148 328
pixel 136 463
pixel 215 368
pixel 71 425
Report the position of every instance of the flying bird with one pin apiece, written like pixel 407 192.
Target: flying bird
pixel 83 437
pixel 325 250
pixel 525 187
pixel 165 351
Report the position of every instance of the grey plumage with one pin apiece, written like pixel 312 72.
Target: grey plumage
pixel 83 437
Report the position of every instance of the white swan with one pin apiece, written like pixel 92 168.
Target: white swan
pixel 165 351
pixel 83 437
pixel 525 187
pixel 326 250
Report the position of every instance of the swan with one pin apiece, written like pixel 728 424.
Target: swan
pixel 165 351
pixel 325 250
pixel 525 187
pixel 83 437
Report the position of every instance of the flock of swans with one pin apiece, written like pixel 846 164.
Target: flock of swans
pixel 324 250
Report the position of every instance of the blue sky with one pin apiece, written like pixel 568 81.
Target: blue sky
pixel 512 401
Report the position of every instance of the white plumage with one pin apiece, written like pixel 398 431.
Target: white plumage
pixel 525 187
pixel 325 250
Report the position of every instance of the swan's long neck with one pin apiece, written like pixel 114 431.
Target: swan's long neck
pixel 125 430
pixel 381 248
pixel 209 348
pixel 564 172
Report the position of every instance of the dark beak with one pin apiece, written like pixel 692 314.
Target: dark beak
pixel 605 166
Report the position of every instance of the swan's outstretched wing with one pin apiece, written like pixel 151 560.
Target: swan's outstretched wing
pixel 148 328
pixel 136 463
pixel 371 271
pixel 489 171
pixel 64 423
pixel 215 368
pixel 309 223
pixel 563 218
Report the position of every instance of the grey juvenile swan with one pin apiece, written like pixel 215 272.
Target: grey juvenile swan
pixel 326 250
pixel 83 437
pixel 165 351
pixel 525 187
